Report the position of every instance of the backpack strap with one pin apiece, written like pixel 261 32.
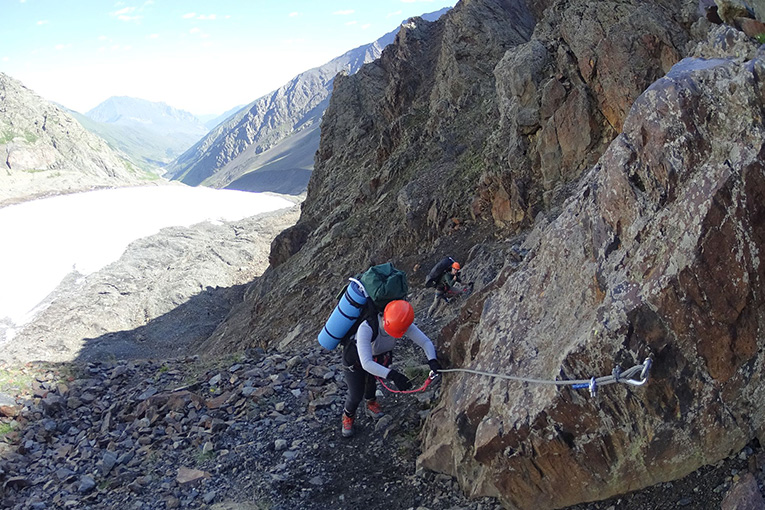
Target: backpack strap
pixel 374 323
pixel 350 353
pixel 368 314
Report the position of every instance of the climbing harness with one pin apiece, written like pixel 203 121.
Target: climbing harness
pixel 634 376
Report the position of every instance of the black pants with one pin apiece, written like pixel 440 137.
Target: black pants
pixel 361 384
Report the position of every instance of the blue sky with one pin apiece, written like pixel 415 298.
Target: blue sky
pixel 201 56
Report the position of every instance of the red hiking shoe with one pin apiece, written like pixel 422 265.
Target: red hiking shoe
pixel 374 410
pixel 347 425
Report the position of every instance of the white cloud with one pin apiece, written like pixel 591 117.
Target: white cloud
pixel 189 15
pixel 349 23
pixel 293 14
pixel 206 16
pixel 366 25
pixel 7 59
pixel 126 14
pixel 195 30
pixel 396 13
pixel 344 13
pixel 115 47
pixel 153 36
pixel 124 11
pixel 43 22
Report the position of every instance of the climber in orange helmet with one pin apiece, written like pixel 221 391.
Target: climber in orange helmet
pixel 448 285
pixel 370 355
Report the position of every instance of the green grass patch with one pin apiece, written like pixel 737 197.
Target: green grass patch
pixel 14 380
pixel 6 136
pixel 760 38
pixel 5 429
pixel 148 176
pixel 417 374
pixel 205 456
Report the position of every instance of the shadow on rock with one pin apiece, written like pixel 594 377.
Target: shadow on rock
pixel 169 335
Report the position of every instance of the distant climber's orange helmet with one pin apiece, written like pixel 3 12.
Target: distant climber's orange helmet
pixel 456 266
pixel 397 317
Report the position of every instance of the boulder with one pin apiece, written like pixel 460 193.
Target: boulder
pixel 656 254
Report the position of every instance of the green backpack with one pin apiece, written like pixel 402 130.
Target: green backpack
pixel 384 283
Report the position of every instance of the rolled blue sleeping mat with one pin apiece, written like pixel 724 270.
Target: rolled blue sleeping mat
pixel 345 314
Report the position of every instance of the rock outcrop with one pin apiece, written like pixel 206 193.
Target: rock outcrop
pixel 658 253
pixel 46 151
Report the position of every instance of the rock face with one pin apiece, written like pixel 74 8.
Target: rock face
pixel 658 253
pixel 632 171
pixel 391 170
pixel 45 151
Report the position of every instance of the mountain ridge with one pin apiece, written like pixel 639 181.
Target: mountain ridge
pixel 151 133
pixel 265 122
pixel 156 116
pixel 46 151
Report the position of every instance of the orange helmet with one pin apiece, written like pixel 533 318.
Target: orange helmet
pixel 397 317
pixel 456 266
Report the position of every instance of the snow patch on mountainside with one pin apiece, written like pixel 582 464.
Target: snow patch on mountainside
pixel 45 240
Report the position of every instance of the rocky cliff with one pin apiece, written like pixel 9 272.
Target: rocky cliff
pixel 619 146
pixel 657 254
pixel 46 151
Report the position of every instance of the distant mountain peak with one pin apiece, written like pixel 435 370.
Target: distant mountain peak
pixel 157 116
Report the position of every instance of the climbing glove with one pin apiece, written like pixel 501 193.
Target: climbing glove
pixel 400 380
pixel 434 365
